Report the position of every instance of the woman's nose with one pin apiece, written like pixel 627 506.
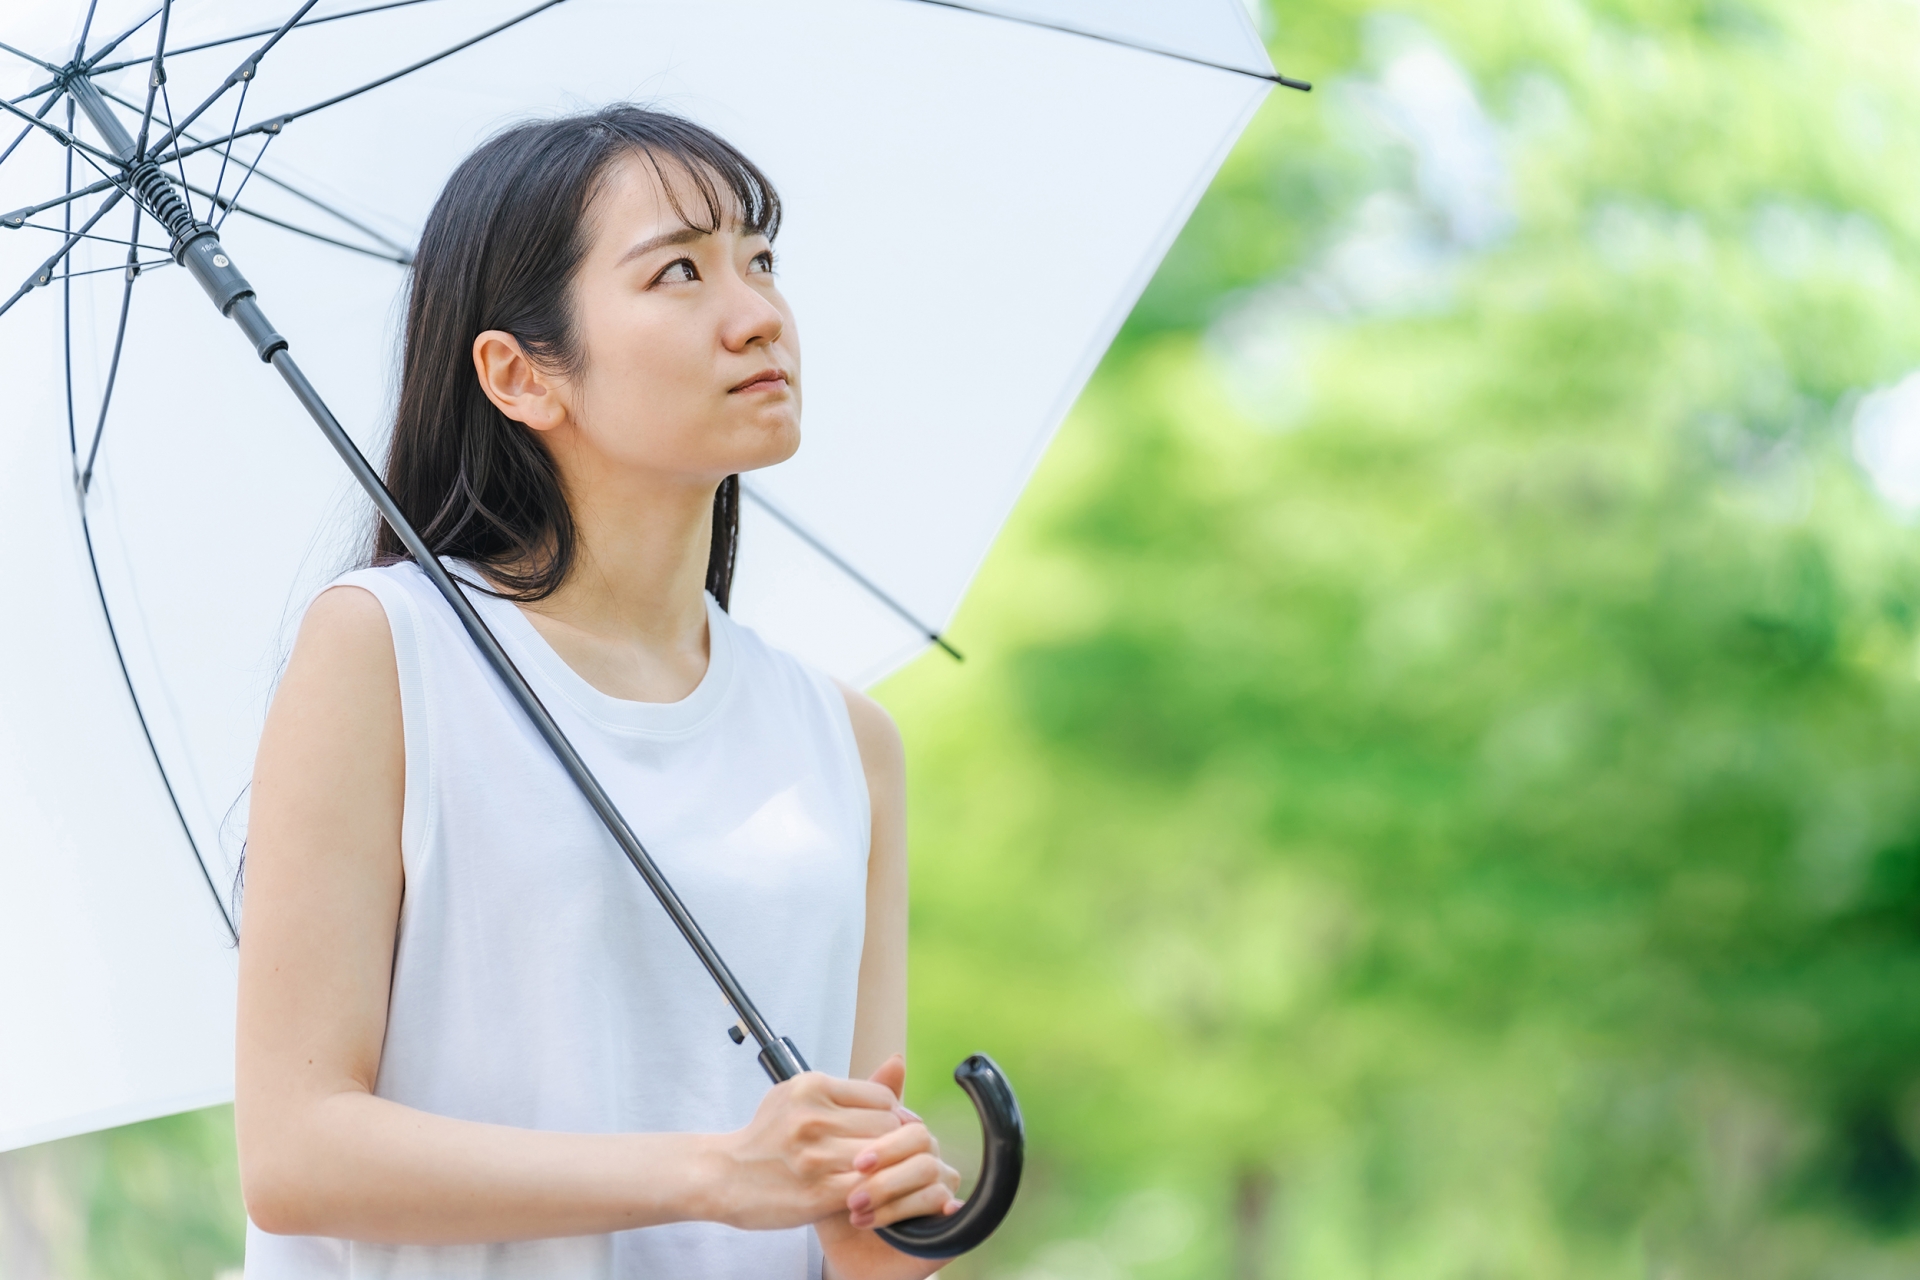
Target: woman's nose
pixel 751 317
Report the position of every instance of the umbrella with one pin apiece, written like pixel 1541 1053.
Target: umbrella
pixel 285 156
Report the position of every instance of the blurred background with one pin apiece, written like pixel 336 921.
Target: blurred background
pixel 1435 786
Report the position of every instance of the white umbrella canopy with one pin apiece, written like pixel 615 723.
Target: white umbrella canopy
pixel 975 198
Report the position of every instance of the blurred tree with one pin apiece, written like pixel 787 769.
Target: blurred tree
pixel 152 1201
pixel 1448 707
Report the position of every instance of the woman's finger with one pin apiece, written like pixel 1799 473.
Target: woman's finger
pixel 892 1075
pixel 863 1094
pixel 857 1123
pixel 896 1181
pixel 927 1201
pixel 908 1140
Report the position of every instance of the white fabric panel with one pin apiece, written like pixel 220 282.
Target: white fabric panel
pixel 974 204
pixel 116 975
pixel 1223 34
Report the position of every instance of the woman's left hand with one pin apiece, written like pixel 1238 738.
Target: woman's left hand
pixel 905 1178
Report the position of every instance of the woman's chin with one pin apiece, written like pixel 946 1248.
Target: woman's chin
pixel 776 443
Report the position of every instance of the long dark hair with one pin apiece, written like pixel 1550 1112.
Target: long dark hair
pixel 499 252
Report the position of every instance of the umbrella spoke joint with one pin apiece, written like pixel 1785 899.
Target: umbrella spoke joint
pixel 196 246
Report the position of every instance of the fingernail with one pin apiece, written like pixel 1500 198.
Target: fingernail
pixel 953 1207
pixel 909 1115
pixel 866 1160
pixel 859 1202
pixel 860 1219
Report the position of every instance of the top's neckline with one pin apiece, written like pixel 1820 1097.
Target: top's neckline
pixel 529 647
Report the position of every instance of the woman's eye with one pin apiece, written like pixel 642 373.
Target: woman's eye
pixel 680 271
pixel 763 261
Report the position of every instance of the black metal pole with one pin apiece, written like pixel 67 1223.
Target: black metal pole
pixel 777 1053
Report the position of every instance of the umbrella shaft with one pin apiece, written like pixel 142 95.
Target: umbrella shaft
pixel 773 1048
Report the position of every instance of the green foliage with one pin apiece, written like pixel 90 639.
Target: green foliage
pixel 152 1201
pixel 1469 780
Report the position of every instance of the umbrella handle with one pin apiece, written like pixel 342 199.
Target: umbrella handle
pixel 1004 1139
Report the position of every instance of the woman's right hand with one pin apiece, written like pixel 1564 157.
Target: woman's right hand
pixel 793 1162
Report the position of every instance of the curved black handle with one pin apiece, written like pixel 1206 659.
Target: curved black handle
pixel 1004 1137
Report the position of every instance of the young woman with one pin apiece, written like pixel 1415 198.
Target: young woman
pixel 470 1042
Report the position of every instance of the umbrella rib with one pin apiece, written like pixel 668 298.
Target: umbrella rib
pixel 66 299
pixel 35 92
pixel 27 129
pixel 226 203
pixel 13 146
pixel 238 75
pixel 794 527
pixel 45 273
pixel 62 231
pixel 95 165
pixel 424 62
pixel 1273 78
pixel 86 29
pixel 250 35
pixel 64 137
pixel 156 75
pixel 91 63
pixel 277 122
pixel 166 100
pixel 226 153
pixel 113 366
pixel 154 263
pixel 233 201
pixel 140 714
pixel 290 189
pixel 22 53
pixel 18 217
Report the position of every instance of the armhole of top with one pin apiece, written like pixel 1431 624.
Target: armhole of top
pixel 417 795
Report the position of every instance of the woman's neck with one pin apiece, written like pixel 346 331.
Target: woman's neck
pixel 631 616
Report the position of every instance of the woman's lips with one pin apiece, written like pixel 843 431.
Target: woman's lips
pixel 768 380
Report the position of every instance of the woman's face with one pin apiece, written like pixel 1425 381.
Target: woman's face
pixel 692 362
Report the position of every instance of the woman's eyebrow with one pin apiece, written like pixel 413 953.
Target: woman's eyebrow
pixel 685 235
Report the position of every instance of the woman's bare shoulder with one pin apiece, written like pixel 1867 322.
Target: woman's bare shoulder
pixel 330 770
pixel 346 621
pixel 347 612
pixel 881 751
pixel 344 652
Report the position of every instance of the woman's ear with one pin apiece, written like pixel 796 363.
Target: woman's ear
pixel 514 384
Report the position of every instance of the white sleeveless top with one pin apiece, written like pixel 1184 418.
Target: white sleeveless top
pixel 538 983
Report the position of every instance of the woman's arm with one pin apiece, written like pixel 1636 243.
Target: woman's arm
pixel 905 1176
pixel 319 1153
pixel 880 1018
